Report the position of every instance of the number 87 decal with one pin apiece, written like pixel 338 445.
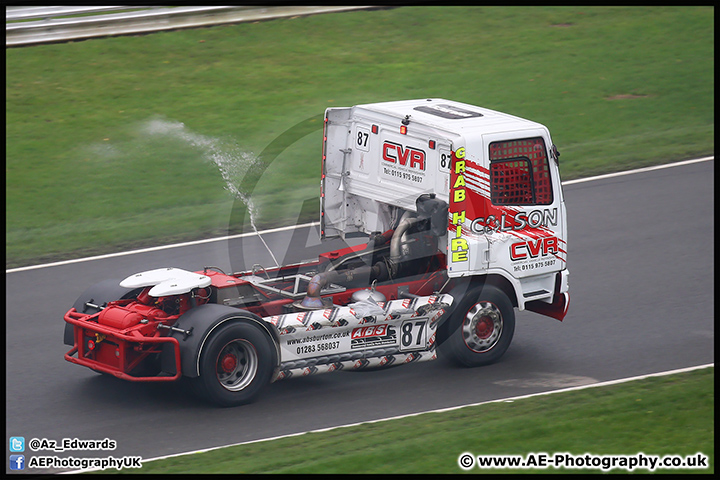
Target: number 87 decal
pixel 361 139
pixel 413 335
pixel 445 160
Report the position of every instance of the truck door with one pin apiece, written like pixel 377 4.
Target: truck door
pixel 526 222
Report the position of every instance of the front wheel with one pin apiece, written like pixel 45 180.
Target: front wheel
pixel 235 364
pixel 481 328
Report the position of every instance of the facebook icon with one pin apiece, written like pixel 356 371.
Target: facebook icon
pixel 17 462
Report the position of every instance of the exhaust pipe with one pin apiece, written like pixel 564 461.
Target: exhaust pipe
pixel 378 272
pixel 396 255
pixel 313 300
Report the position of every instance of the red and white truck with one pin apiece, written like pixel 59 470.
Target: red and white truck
pixel 464 214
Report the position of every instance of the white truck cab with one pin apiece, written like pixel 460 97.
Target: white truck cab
pixel 497 173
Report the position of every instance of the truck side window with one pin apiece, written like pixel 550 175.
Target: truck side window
pixel 519 173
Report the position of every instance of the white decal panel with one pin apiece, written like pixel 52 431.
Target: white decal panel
pixel 337 338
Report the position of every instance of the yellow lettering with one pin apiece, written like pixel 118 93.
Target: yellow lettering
pixel 460 182
pixel 459 256
pixel 458 244
pixel 458 217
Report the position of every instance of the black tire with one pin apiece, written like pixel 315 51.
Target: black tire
pixel 236 362
pixel 480 328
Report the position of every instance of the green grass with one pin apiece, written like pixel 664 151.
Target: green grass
pixel 671 415
pixel 619 87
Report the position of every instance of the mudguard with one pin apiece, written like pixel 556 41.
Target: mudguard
pixel 201 322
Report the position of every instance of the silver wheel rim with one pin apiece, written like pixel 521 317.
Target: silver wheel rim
pixel 482 327
pixel 236 365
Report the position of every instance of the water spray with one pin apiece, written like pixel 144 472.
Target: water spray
pixel 230 164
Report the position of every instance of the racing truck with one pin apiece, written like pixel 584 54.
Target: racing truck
pixel 462 220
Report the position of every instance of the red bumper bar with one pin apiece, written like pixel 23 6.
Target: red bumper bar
pixel 109 332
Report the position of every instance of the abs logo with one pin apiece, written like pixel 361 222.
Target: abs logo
pixel 405 156
pixel 373 336
pixel 371 331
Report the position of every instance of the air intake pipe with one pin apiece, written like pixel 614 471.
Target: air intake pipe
pixel 396 254
pixel 377 272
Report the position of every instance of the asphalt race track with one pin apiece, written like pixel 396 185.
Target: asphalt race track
pixel 641 284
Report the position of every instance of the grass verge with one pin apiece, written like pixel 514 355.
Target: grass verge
pixel 669 415
pixel 117 142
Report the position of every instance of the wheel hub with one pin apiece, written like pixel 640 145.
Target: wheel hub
pixel 229 363
pixel 236 365
pixel 482 327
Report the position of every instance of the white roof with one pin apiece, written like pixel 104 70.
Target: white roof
pixel 450 115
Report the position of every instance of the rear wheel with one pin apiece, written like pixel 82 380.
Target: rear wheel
pixel 481 328
pixel 235 364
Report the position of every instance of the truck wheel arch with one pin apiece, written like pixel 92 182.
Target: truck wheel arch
pixel 464 285
pixel 204 320
pixel 506 285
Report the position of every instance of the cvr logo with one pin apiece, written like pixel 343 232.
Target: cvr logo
pixel 542 246
pixel 396 153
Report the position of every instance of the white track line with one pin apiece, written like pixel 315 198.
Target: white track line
pixel 440 410
pixel 161 247
pixel 229 237
pixel 638 170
